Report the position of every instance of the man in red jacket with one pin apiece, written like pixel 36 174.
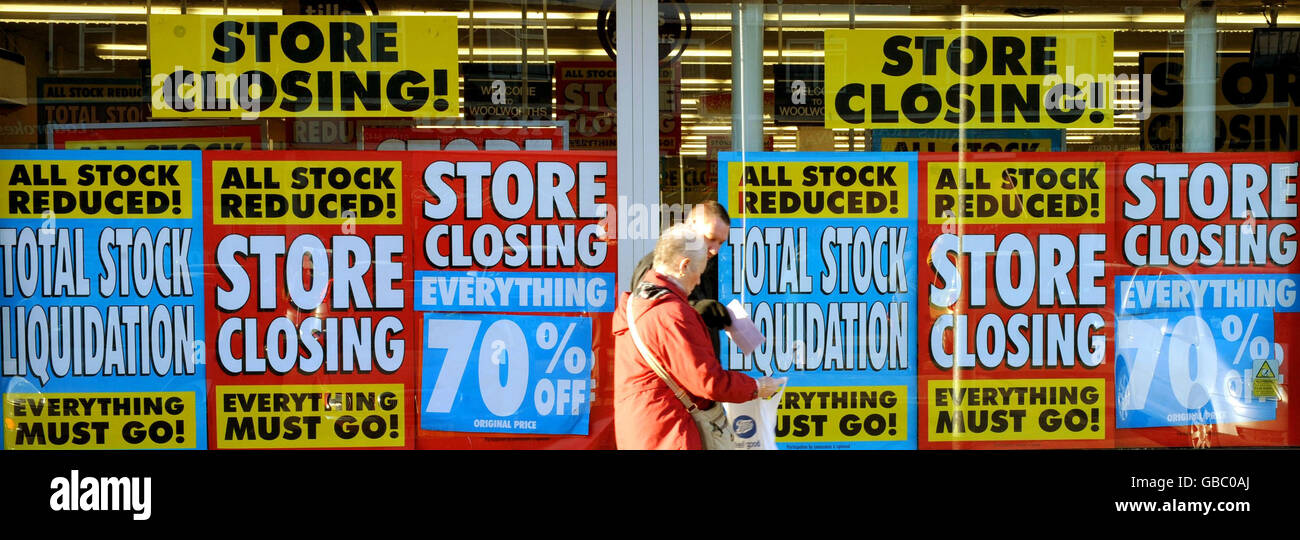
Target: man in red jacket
pixel 646 413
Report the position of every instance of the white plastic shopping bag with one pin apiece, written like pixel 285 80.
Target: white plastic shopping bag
pixel 754 422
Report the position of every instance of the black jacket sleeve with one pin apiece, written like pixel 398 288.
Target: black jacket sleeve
pixel 638 272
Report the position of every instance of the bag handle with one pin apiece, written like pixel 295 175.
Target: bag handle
pixel 654 363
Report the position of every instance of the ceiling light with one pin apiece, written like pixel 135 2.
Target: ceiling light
pixel 123 46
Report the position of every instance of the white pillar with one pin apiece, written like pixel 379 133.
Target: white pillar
pixel 1200 68
pixel 747 76
pixel 637 46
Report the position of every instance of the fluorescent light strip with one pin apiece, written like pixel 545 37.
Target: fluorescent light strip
pixel 75 21
pixel 1145 19
pixel 232 11
pixel 718 81
pixel 1066 19
pixel 61 9
pixel 532 52
pixel 55 9
pixel 496 15
pixel 123 47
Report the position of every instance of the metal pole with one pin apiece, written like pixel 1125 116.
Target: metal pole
pixel 747 76
pixel 1201 71
pixel 638 131
pixel 523 64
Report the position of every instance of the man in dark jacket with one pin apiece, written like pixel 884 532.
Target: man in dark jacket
pixel 711 221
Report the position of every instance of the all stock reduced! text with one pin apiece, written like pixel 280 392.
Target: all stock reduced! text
pixel 96 189
pixel 1050 192
pixel 323 192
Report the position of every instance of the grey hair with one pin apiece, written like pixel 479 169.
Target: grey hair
pixel 678 242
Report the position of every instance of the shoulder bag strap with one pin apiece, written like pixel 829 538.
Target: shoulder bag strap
pixel 654 363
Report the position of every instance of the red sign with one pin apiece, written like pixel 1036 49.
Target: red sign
pixel 334 276
pixel 587 97
pixel 1205 296
pixel 1016 312
pixel 459 138
pixel 515 245
pixel 312 343
pixel 157 136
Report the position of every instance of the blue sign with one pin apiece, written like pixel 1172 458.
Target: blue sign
pixel 518 292
pixel 102 299
pixel 506 373
pixel 833 292
pixel 1188 347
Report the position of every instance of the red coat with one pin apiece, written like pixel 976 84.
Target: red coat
pixel 647 416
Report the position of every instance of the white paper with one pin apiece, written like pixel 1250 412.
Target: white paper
pixel 742 331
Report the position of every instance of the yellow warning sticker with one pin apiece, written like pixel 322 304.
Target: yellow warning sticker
pixel 1264 384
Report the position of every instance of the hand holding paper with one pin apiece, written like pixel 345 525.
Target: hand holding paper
pixel 742 330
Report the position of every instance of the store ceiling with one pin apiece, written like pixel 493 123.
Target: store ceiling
pixel 568 30
pixel 134 9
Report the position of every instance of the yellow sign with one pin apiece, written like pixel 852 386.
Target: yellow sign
pixel 96 189
pixel 118 420
pixel 214 66
pixel 842 414
pixel 818 189
pixel 310 416
pixel 974 78
pixel 945 144
pixel 1264 384
pixel 1016 410
pixel 1004 192
pixel 313 193
pixel 195 143
pixel 1254 109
